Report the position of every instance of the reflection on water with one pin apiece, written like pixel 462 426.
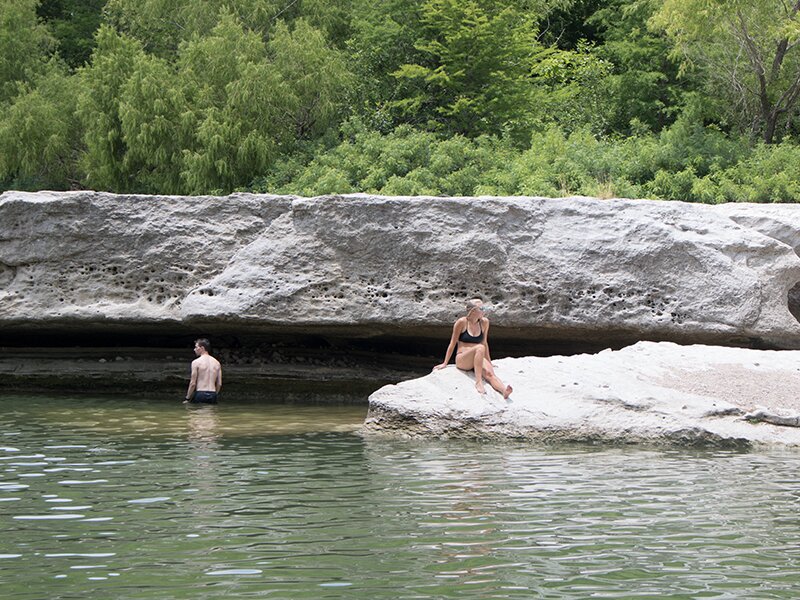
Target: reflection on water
pixel 204 424
pixel 136 498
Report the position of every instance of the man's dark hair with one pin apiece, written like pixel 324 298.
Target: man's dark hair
pixel 204 343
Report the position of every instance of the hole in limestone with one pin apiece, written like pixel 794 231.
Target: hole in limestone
pixel 7 274
pixel 794 301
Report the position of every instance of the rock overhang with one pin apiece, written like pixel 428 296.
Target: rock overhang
pixel 572 270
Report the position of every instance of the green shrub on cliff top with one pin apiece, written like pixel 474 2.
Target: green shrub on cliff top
pixel 685 162
pixel 403 162
pixel 771 173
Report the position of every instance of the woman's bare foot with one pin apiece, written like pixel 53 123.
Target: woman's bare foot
pixel 507 393
pixel 479 387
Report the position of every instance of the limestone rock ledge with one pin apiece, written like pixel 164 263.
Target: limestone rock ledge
pixel 595 273
pixel 652 392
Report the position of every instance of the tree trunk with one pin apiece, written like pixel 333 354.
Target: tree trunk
pixel 770 125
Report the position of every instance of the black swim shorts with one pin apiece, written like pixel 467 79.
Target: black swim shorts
pixel 204 398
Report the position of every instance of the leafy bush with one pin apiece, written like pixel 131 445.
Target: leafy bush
pixel 688 162
pixel 403 162
pixel 770 174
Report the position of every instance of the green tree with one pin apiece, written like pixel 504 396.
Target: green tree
pixel 312 80
pixel 161 25
pixel 253 101
pixel 25 46
pixel 748 52
pixel 73 24
pixel 214 118
pixel 384 35
pixel 334 19
pixel 39 134
pixel 155 123
pixel 643 86
pixel 227 84
pixel 566 89
pixel 113 62
pixel 473 77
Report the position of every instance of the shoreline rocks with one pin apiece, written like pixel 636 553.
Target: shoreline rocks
pixel 364 276
pixel 651 393
pixel 275 374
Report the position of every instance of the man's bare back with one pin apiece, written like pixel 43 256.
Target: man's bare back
pixel 209 373
pixel 206 380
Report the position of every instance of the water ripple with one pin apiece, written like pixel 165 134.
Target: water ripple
pixel 47 517
pixel 149 500
pixel 235 572
pixel 247 501
pixel 82 481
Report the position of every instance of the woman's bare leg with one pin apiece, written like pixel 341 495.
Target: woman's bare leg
pixel 479 359
pixel 495 381
pixel 473 359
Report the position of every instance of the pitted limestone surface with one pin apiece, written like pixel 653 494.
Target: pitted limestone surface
pixel 567 266
pixel 7 275
pixel 90 256
pixel 552 269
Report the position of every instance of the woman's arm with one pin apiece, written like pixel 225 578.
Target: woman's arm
pixel 452 345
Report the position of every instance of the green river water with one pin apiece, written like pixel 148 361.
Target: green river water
pixel 146 498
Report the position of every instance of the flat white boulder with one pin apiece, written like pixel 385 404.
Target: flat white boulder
pixel 647 393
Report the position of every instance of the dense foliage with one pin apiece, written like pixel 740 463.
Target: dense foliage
pixel 678 99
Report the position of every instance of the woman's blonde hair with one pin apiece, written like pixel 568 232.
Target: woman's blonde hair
pixel 473 303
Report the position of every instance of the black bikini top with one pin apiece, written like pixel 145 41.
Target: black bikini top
pixel 471 339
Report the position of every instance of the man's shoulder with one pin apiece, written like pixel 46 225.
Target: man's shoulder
pixel 209 360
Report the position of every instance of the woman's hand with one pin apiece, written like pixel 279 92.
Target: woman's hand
pixel 439 367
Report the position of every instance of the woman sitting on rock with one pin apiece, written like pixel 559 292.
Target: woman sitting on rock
pixel 471 335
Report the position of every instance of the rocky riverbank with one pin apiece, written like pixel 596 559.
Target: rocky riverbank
pixel 659 393
pixel 272 372
pixel 365 288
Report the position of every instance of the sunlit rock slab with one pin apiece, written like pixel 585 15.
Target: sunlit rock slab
pixel 572 267
pixel 661 393
pixel 98 258
pixel 578 269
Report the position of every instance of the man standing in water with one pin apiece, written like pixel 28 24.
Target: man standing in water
pixel 206 381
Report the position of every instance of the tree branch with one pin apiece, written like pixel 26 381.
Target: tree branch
pixel 780 53
pixel 752 50
pixel 758 67
pixel 789 97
